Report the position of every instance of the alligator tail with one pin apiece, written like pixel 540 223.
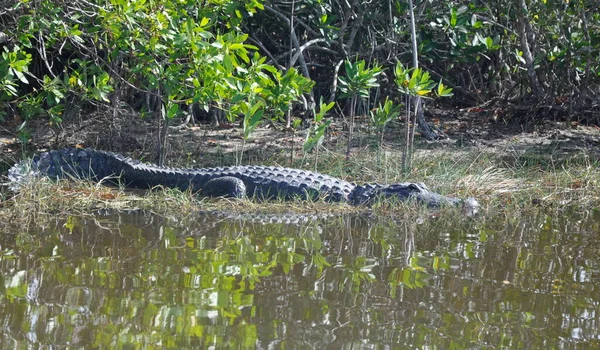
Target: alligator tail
pixel 67 163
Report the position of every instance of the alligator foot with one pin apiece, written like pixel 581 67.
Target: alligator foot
pixel 225 186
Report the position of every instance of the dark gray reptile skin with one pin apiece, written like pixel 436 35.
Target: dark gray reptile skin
pixel 262 182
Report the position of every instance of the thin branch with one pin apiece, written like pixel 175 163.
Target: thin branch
pixel 115 74
pixel 336 72
pixel 266 52
pixel 304 47
pixel 293 37
pixel 42 51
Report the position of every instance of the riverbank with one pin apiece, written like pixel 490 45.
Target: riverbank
pixel 547 167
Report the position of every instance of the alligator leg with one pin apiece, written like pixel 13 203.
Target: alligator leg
pixel 224 186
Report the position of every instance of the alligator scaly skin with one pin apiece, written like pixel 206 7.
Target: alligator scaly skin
pixel 263 182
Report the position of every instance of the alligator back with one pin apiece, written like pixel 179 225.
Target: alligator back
pixel 260 181
pixel 263 182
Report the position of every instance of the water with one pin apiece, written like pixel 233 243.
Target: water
pixel 136 280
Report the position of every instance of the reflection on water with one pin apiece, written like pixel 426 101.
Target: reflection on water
pixel 131 280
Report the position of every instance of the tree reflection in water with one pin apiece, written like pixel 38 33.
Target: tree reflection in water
pixel 115 280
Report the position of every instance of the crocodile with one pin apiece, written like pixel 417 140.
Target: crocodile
pixel 261 182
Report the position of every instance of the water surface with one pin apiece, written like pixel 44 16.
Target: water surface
pixel 137 280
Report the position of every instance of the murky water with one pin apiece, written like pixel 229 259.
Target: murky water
pixel 134 280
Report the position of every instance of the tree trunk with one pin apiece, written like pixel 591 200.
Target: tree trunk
pixel 420 119
pixel 526 32
pixel 424 127
pixel 351 125
pixel 288 116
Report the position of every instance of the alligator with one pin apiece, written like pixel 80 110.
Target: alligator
pixel 261 182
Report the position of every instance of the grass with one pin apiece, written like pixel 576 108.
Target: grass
pixel 505 183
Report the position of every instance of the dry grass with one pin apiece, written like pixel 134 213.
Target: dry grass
pixel 504 188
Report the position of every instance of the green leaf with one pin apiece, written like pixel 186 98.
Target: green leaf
pixel 11 89
pixel 444 91
pixel 251 121
pixel 20 76
pixel 172 111
pixel 453 17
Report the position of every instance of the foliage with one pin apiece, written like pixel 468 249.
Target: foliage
pixel 63 59
pixel 180 52
pixel 416 84
pixel 285 89
pixel 359 79
pixel 355 85
pixel 476 49
pixel 315 135
pixel 383 115
pixel 415 81
pixel 13 66
pixel 252 117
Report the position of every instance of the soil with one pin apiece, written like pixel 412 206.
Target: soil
pixel 191 144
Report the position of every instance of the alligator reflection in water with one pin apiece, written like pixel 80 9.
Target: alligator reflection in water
pixel 118 280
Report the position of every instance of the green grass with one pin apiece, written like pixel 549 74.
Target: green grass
pixel 505 184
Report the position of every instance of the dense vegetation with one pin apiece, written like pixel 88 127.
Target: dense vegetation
pixel 522 273
pixel 255 59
